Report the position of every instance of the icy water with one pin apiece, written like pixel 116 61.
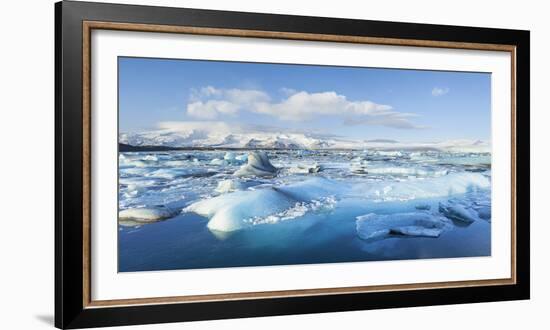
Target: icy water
pixel 205 209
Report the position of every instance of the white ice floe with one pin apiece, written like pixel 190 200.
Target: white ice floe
pixel 234 211
pixel 225 186
pixel 457 212
pixel 133 190
pixel 134 171
pixel 414 171
pixel 484 212
pixel 258 165
pixel 151 158
pixel 232 158
pixel 417 188
pixel 171 173
pixel 145 214
pixel 359 166
pixel 231 211
pixel 378 226
pixel 237 210
pixel 299 209
pixel 139 181
pixel 389 153
pixel 218 162
pixel 176 163
pixel 305 169
pixel 242 158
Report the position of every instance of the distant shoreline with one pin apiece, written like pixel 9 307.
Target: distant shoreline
pixel 122 147
pixel 130 148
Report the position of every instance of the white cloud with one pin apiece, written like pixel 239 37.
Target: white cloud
pixel 439 91
pixel 304 106
pixel 211 109
pixel 210 102
pixel 288 91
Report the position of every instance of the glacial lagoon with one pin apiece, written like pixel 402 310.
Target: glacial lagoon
pixel 208 208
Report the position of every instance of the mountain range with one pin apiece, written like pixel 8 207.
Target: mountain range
pixel 199 136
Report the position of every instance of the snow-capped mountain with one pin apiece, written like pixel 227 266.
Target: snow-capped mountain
pixel 222 135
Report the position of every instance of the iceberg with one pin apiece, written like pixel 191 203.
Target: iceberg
pixel 392 153
pixel 225 186
pixel 144 215
pixel 359 166
pixel 231 158
pixel 236 210
pixel 457 212
pixel 484 212
pixel 374 226
pixel 258 165
pixel 240 209
pixel 242 158
pixel 305 169
pixel 151 158
pixel 232 211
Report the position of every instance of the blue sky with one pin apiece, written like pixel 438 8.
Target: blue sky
pixel 358 103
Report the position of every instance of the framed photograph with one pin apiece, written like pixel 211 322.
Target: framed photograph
pixel 214 164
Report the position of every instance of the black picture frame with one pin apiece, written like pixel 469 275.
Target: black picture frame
pixel 70 309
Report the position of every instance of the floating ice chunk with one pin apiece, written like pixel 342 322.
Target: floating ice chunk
pixel 134 171
pixel 176 163
pixel 424 207
pixel 225 186
pixel 133 189
pixel 314 188
pixel 379 226
pixel 484 212
pixel 389 153
pixel 140 163
pixel 457 212
pixel 242 158
pixel 258 165
pixel 231 211
pixel 145 214
pixel 231 158
pixel 218 162
pixel 298 210
pixel 305 169
pixel 482 160
pixel 416 188
pixel 171 173
pixel 416 171
pixel 359 165
pixel 137 181
pixel 237 210
pixel 151 158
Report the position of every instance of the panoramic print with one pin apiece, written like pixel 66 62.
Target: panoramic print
pixel 232 164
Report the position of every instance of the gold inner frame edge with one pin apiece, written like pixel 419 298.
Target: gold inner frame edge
pixel 88 26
